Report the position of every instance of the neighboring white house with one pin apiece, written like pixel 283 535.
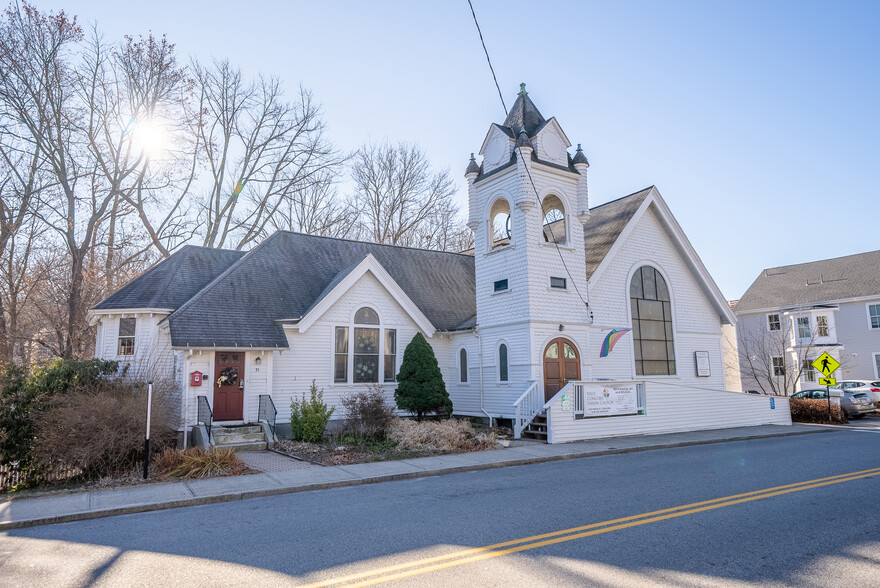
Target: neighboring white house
pixel 517 325
pixel 792 314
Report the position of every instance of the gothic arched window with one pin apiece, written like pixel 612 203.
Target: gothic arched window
pixel 652 323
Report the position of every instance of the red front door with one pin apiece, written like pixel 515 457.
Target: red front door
pixel 228 385
pixel 561 364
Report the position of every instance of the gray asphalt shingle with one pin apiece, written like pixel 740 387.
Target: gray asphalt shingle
pixel 852 276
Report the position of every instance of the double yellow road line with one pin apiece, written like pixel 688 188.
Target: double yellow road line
pixel 466 556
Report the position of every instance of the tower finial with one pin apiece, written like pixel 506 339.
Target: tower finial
pixel 522 90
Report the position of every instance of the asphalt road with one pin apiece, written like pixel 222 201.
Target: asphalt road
pixel 813 523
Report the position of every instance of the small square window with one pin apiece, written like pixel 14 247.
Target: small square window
pixel 773 322
pixel 822 326
pixel 558 283
pixel 803 327
pixel 501 285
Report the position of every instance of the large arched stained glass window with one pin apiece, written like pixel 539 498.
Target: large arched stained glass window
pixel 652 323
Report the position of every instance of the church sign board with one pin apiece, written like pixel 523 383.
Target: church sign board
pixel 610 400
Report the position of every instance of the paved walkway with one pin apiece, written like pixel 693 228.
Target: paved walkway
pixel 28 512
pixel 269 462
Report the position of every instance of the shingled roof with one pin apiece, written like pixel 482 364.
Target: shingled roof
pixel 524 115
pixel 287 273
pixel 840 278
pixel 605 224
pixel 172 281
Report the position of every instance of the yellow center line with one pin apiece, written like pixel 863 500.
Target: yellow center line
pixel 491 551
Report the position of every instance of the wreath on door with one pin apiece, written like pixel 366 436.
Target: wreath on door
pixel 228 377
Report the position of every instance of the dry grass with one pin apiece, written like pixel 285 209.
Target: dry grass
pixel 196 462
pixel 448 435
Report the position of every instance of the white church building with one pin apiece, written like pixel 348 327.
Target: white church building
pixel 567 321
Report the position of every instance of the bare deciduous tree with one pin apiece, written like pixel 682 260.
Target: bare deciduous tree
pixel 399 198
pixel 776 360
pixel 262 152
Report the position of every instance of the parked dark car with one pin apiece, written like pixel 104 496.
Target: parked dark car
pixel 855 404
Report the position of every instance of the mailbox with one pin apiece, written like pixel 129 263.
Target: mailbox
pixel 195 378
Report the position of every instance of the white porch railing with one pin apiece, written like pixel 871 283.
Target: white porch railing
pixel 527 407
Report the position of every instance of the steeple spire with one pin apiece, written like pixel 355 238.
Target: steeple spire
pixel 524 114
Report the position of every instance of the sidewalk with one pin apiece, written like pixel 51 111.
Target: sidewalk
pixel 28 512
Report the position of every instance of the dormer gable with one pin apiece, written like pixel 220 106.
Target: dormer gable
pixel 551 144
pixel 497 147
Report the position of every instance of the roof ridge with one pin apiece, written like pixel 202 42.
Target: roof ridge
pixel 649 188
pixel 805 263
pixel 220 276
pixel 366 242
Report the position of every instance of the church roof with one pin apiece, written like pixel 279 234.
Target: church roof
pixel 172 281
pixel 288 273
pixel 524 114
pixel 605 224
pixel 840 278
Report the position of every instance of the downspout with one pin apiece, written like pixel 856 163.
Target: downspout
pixel 480 341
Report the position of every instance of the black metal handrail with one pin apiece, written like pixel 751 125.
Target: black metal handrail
pixel 267 412
pixel 206 415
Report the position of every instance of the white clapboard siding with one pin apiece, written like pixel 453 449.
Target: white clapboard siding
pixel 673 408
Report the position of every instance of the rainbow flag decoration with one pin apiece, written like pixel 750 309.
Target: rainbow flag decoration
pixel 611 340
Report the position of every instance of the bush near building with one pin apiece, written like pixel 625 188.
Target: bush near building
pixel 420 386
pixel 809 410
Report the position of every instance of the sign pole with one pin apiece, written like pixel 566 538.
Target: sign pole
pixel 147 436
pixel 828 393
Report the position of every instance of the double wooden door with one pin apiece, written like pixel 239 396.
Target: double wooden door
pixel 229 393
pixel 561 364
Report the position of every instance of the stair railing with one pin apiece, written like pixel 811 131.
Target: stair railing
pixel 267 412
pixel 526 408
pixel 206 415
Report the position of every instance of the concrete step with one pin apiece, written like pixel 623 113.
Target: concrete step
pixel 243 430
pixel 243 446
pixel 226 437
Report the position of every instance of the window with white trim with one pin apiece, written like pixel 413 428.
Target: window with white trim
pixel 503 371
pixel 822 326
pixel 773 323
pixel 803 327
pixel 778 366
pixel 359 349
pixel 808 372
pixel 653 340
pixel 127 328
pixel 874 316
pixel 559 283
pixel 877 365
pixel 462 366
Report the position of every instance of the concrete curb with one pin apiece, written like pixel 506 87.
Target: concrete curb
pixel 243 495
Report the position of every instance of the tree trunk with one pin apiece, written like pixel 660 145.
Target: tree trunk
pixel 74 300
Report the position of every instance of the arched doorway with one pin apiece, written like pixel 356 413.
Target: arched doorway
pixel 561 364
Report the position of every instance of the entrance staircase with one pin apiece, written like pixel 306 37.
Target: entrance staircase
pixel 537 429
pixel 239 438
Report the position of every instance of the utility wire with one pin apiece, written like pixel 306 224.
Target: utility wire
pixel 531 180
pixel 486 51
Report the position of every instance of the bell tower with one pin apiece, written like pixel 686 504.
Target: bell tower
pixel 527 205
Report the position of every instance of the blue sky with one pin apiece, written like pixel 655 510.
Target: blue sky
pixel 757 120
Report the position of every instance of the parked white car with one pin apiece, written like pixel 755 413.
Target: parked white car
pixel 872 389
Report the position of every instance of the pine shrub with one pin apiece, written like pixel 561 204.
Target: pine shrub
pixel 309 418
pixel 420 386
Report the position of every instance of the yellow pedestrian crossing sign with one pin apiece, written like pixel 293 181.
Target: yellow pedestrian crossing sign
pixel 826 364
pixel 827 382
